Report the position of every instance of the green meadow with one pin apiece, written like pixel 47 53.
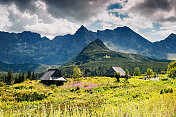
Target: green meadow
pixel 90 97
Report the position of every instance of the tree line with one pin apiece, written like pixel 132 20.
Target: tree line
pixel 12 78
pixel 170 71
pixel 101 71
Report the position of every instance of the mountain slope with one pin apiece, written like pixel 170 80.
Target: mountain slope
pixel 86 55
pixel 18 48
pixel 123 39
pixel 18 67
pixel 97 52
pixel 167 45
pixel 70 45
pixel 165 48
pixel 96 45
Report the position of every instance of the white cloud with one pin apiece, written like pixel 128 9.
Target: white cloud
pixel 19 20
pixel 58 27
pixel 41 22
pixel 4 17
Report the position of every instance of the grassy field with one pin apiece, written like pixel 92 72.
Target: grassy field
pixel 91 96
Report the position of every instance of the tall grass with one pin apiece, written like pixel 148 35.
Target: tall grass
pixel 164 107
pixel 107 98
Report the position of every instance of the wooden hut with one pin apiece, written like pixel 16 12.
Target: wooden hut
pixel 112 70
pixel 53 76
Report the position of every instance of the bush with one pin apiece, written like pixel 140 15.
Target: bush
pixel 137 71
pixel 149 71
pixel 75 89
pixel 117 76
pixel 163 72
pixel 171 70
pixel 161 92
pixel 29 97
pixel 169 90
pixel 77 73
pixel 126 75
pixel 164 79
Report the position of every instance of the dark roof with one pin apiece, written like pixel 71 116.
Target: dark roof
pixel 51 74
pixel 47 75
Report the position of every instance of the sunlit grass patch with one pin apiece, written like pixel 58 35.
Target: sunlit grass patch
pixel 91 96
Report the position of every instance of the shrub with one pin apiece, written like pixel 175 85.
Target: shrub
pixel 77 73
pixel 169 90
pixel 171 70
pixel 29 97
pixel 20 87
pixel 126 75
pixel 77 88
pixel 164 79
pixel 117 76
pixel 163 72
pixel 161 92
pixel 137 71
pixel 74 89
pixel 53 86
pixel 149 71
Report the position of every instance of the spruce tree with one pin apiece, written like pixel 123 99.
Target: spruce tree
pixel 126 75
pixel 33 76
pixel 20 78
pixel 29 75
pixel 10 78
pixel 36 77
pixel 17 78
pixel 3 77
pixel 23 76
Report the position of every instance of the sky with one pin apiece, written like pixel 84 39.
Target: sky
pixel 153 19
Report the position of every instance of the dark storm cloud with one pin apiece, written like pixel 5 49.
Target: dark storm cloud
pixel 152 5
pixel 76 9
pixel 72 9
pixel 22 5
pixel 149 8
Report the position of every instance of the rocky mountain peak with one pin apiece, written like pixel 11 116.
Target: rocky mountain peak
pixel 82 29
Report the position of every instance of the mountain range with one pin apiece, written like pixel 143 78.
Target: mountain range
pixel 30 47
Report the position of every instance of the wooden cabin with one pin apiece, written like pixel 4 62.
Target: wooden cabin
pixel 112 70
pixel 53 76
